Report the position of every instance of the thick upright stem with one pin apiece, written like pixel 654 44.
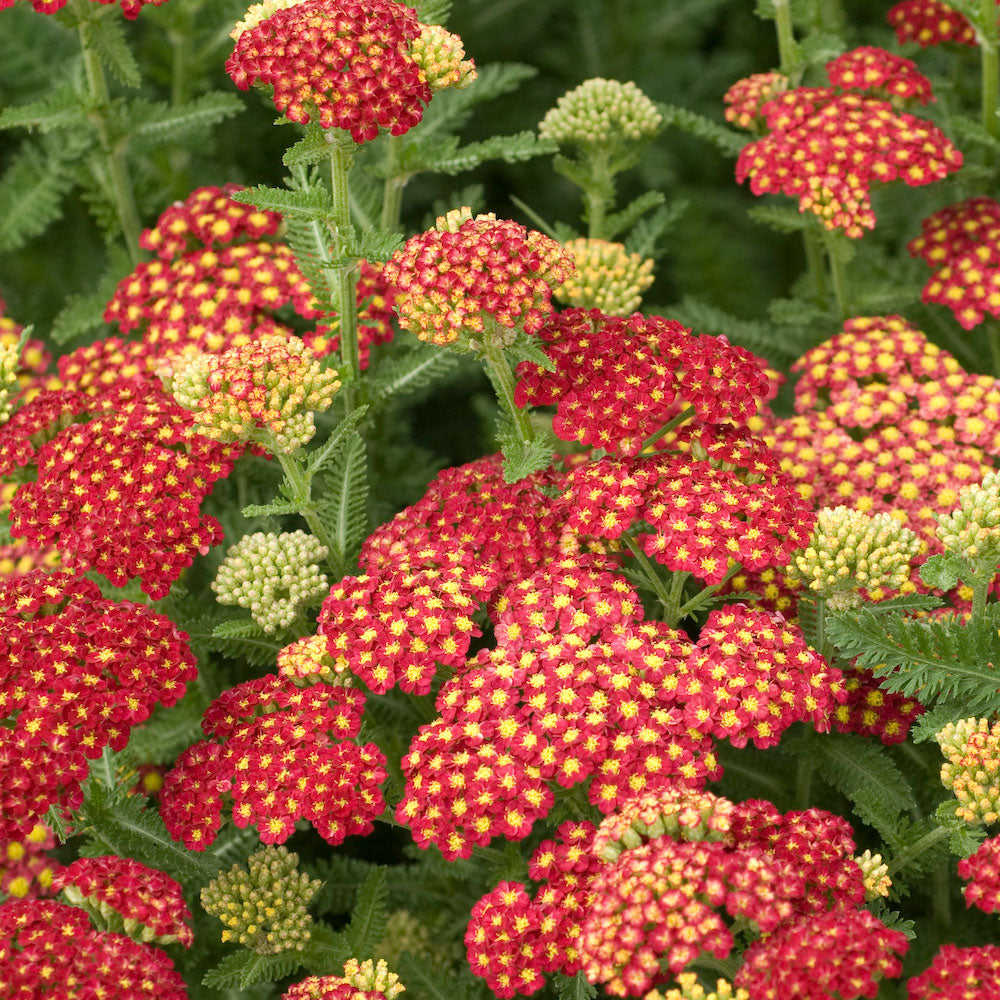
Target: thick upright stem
pixel 346 280
pixel 118 179
pixel 990 64
pixel 499 371
pixel 596 194
pixel 668 602
pixel 838 275
pixel 817 266
pixel 302 492
pixel 993 336
pixel 786 38
pixel 392 189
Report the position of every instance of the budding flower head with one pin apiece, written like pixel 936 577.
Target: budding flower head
pixel 972 530
pixel 361 981
pixel 688 988
pixel 273 576
pixel 876 875
pixel 264 909
pixel 10 361
pixel 607 277
pixel 601 112
pixel 439 54
pixel 746 97
pixel 265 392
pixel 849 550
pixel 972 768
pixel 475 281
pixel 260 12
pixel 307 661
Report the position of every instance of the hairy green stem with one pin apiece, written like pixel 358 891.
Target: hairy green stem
pixel 787 56
pixel 685 414
pixel 925 843
pixel 392 189
pixel 652 578
pixel 838 275
pixel 118 179
pixel 502 376
pixel 941 881
pixel 301 490
pixel 702 597
pixel 596 194
pixel 987 33
pixel 342 149
pixel 813 243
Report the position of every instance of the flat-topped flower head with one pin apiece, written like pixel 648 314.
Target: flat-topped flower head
pixel 688 988
pixel 746 97
pixel 601 113
pixel 128 897
pixel 342 63
pixel 849 551
pixel 265 908
pixel 881 73
pixel 130 8
pixel 440 55
pixel 972 768
pixel 476 281
pixel 367 980
pixel 265 392
pixel 607 277
pixel 929 22
pixel 273 576
pixel 26 867
pixel 961 245
pixel 982 871
pixel 958 974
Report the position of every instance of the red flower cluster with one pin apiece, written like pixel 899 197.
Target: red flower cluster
pixel 961 243
pixel 617 381
pixel 130 8
pixel 959 974
pixel 881 73
pixel 746 97
pixel 345 63
pixel 929 22
pixel 199 296
pixel 81 672
pixel 870 711
pixel 703 515
pixel 982 871
pixel 276 753
pixel 120 474
pixel 150 902
pixel 751 676
pixel 26 868
pixel 483 279
pixel 50 950
pixel 828 147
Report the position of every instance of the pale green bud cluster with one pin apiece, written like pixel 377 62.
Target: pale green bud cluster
pixel 688 988
pixel 264 909
pixel 10 359
pixel 440 56
pixel 849 550
pixel 973 529
pixel 607 277
pixel 373 977
pixel 260 12
pixel 972 769
pixel 875 873
pixel 272 576
pixel 600 111
pixel 404 932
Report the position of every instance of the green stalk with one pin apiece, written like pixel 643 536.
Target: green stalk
pixel 500 374
pixel 838 274
pixel 392 189
pixel 596 194
pixel 993 336
pixel 787 55
pixel 925 843
pixel 301 490
pixel 817 266
pixel 118 177
pixel 342 149
pixel 703 595
pixel 653 578
pixel 987 32
pixel 685 414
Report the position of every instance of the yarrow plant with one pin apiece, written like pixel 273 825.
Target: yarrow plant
pixel 442 561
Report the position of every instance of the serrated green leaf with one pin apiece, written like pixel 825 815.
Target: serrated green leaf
pixel 906 602
pixel 106 36
pixel 969 130
pixel 452 108
pixel 237 628
pixel 619 222
pixel 309 240
pixel 575 987
pixel 935 719
pixel 312 204
pixel 780 218
pixel 277 508
pixel 341 876
pixel 521 459
pixel 944 570
pixel 574 171
pixel 369 916
pixel 528 349
pixel 433 11
pixel 344 511
pixel 403 375
pixel 725 140
pixel 963 838
pixel 376 245
pixel 447 156
pixel 321 457
pixel 647 233
pixel 64 105
pixel 245 968
pixel 31 193
pixel 83 314
pixel 820 47
pixel 154 123
pixel 428 981
pixel 313 147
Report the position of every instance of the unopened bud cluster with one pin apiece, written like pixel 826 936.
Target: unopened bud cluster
pixel 272 576
pixel 972 768
pixel 681 814
pixel 849 550
pixel 688 988
pixel 875 873
pixel 260 12
pixel 10 360
pixel 440 56
pixel 265 392
pixel 607 277
pixel 360 981
pixel 599 112
pixel 264 909
pixel 973 529
pixel 308 661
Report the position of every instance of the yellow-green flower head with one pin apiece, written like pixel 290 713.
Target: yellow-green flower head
pixel 265 392
pixel 272 576
pixel 875 873
pixel 441 58
pixel 264 909
pixel 600 111
pixel 688 988
pixel 367 979
pixel 307 661
pixel 260 12
pixel 10 360
pixel 849 550
pixel 972 530
pixel 607 277
pixel 972 768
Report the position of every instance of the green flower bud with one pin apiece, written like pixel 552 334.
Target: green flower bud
pixel 264 909
pixel 439 54
pixel 600 112
pixel 607 277
pixel 688 988
pixel 272 576
pixel 849 550
pixel 972 769
pixel 875 873
pixel 973 529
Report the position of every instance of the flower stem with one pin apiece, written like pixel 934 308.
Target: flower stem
pixel 702 597
pixel 993 336
pixel 817 267
pixel 653 579
pixel 787 54
pixel 838 274
pixel 392 189
pixel 596 194
pixel 301 490
pixel 118 180
pixel 345 272
pixel 987 36
pixel 925 843
pixel 685 414
pixel 500 374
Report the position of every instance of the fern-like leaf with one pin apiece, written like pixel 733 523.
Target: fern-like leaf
pixel 620 222
pixel 83 314
pixel 780 218
pixel 244 968
pixel 341 876
pixel 405 374
pixel 107 37
pixel 311 204
pixel 154 123
pixel 433 11
pixel 648 232
pixel 237 628
pixel 335 443
pixel 344 511
pixel 426 980
pixel 31 193
pixel 61 106
pixel 451 109
pixel 575 987
pixel 309 240
pixel 369 916
pixel 725 140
